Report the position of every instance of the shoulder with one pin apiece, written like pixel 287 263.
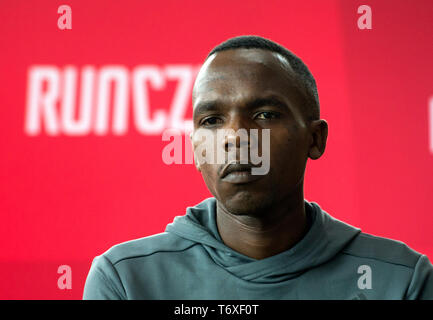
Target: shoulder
pixel 382 249
pixel 104 280
pixel 146 246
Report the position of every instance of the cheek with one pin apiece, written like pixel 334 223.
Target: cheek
pixel 288 153
pixel 210 176
pixel 205 148
pixel 281 145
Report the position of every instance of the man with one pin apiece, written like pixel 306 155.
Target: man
pixel 258 238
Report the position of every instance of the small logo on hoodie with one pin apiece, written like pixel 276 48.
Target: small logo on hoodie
pixel 360 296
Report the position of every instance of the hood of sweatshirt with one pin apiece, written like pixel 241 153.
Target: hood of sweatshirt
pixel 324 240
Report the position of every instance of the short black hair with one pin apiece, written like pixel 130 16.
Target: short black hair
pixel 301 70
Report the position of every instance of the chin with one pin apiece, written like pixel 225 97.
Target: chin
pixel 246 203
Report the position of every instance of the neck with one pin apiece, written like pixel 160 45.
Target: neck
pixel 264 235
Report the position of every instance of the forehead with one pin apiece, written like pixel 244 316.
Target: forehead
pixel 242 73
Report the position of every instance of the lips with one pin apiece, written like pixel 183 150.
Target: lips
pixel 235 167
pixel 237 173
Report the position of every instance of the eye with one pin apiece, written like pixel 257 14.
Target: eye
pixel 266 115
pixel 210 121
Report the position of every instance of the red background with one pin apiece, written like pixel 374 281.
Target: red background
pixel 65 199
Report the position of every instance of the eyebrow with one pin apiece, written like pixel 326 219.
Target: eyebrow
pixel 272 101
pixel 212 105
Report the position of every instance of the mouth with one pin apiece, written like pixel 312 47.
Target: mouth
pixel 238 173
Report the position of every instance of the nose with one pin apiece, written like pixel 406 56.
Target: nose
pixel 236 133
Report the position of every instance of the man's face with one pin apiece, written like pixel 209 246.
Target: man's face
pixel 252 89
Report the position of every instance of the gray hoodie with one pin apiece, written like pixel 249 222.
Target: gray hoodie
pixel 189 261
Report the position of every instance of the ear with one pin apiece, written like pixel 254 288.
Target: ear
pixel 319 135
pixel 196 163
